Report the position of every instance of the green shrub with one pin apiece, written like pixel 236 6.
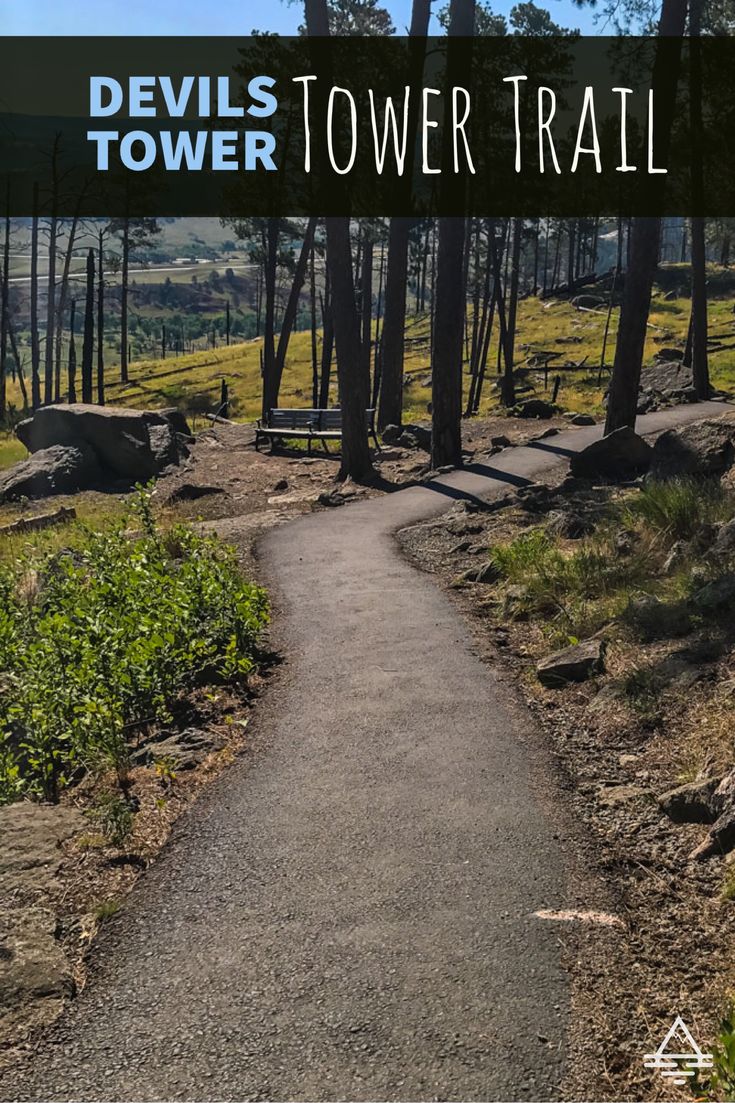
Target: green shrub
pixel 114 817
pixel 678 509
pixel 107 639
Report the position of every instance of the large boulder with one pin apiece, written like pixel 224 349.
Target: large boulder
pixel 573 664
pixel 534 408
pixel 702 450
pixel 60 469
pixel 130 444
pixel 619 455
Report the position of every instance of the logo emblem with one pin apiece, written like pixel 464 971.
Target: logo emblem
pixel 678 1057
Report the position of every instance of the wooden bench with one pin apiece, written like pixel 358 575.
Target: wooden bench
pixel 309 425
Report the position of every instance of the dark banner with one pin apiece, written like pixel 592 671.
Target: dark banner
pixel 269 126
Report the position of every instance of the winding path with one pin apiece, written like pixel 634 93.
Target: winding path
pixel 349 913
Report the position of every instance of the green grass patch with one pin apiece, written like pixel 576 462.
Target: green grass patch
pixel 679 508
pixel 100 639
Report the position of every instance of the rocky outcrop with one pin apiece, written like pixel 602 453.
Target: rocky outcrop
pixel 618 456
pixel 705 449
pixel 77 446
pixel 572 664
pixel 60 469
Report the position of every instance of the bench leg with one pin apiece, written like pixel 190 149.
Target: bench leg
pixel 377 442
pixel 324 446
pixel 308 446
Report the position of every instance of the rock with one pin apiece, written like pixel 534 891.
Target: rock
pixel 669 356
pixel 391 433
pixel 624 541
pixel 702 450
pixel 715 596
pixel 724 544
pixel 191 492
pixel 60 469
pixel 31 836
pixel 582 419
pixel 534 408
pixel 668 381
pixel 619 456
pixel 656 619
pixel 486 574
pixel 612 795
pixel 415 436
pixel 725 791
pixel 185 749
pixel 588 302
pixel 721 837
pixel 536 497
pixel 176 419
pixel 130 444
pixel 500 442
pixel 35 976
pixel 572 664
pixel 570 524
pixel 691 803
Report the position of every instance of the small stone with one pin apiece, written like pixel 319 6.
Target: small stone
pixel 572 664
pixel 690 803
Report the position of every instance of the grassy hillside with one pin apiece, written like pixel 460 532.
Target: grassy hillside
pixel 194 381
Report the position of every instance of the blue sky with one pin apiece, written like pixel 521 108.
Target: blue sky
pixel 192 17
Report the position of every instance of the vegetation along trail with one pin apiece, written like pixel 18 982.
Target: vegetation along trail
pixel 350 912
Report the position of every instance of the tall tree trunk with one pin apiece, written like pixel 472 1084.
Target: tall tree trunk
pixel 48 378
pixel 124 301
pixel 5 311
pixel 700 365
pixel 63 289
pixel 314 342
pixel 390 408
pixel 354 383
pixel 446 373
pixel 88 341
pixel 19 367
pixel 72 364
pixel 292 306
pixel 35 334
pixel 101 320
pixel 366 306
pixel 643 243
pixel 270 250
pixel 515 265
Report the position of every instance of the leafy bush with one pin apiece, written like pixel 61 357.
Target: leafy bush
pixel 678 509
pixel 106 639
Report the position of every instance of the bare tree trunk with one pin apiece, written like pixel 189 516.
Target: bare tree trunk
pixel 5 311
pixel 700 365
pixel 446 374
pixel 270 249
pixel 366 301
pixel 643 246
pixel 124 301
pixel 390 408
pixel 314 346
pixel 18 365
pixel 88 342
pixel 63 288
pixel 48 380
pixel 292 306
pixel 101 321
pixel 515 265
pixel 72 364
pixel 35 335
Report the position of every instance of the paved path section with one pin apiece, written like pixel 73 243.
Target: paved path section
pixel 349 913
